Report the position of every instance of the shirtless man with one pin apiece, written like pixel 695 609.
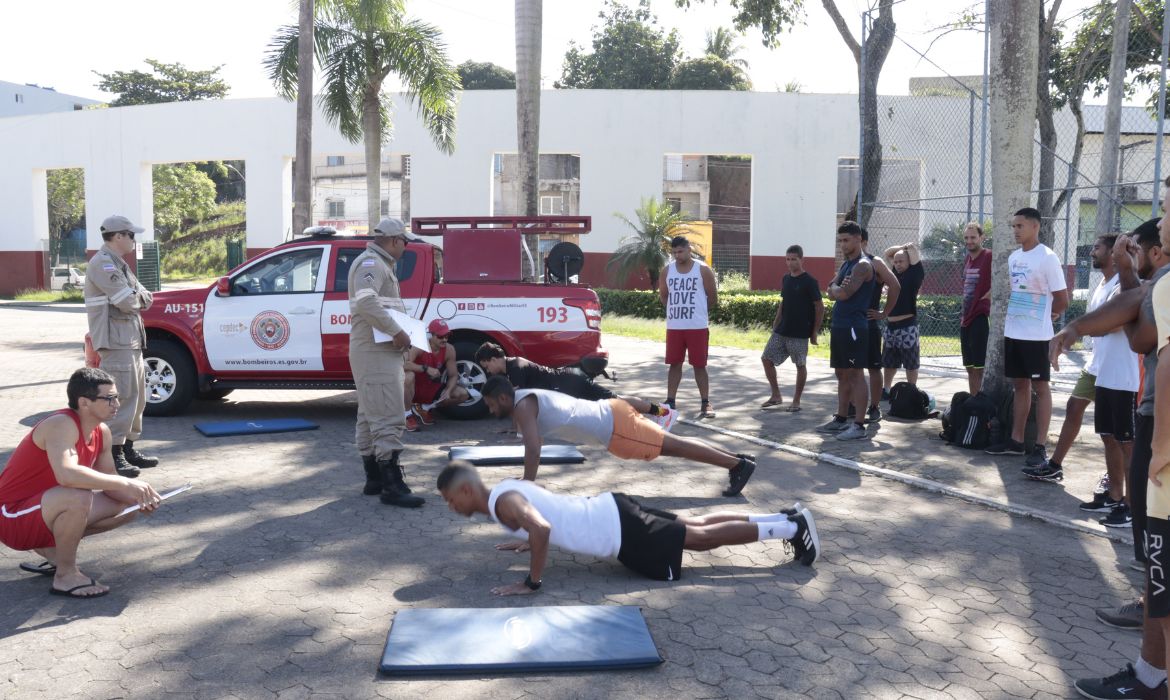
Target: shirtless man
pixel 614 424
pixel 60 485
pixel 613 525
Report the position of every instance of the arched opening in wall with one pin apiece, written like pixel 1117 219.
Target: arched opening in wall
pixel 64 250
pixel 560 195
pixel 340 196
pixel 200 224
pixel 714 193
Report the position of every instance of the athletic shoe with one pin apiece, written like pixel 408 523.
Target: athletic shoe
pixel 1102 484
pixel 1122 685
pixel 853 432
pixel 1007 447
pixel 750 458
pixel 1118 517
pixel 833 426
pixel 1101 503
pixel 739 476
pixel 793 510
pixel 424 416
pixel 873 415
pixel 667 421
pixel 806 546
pixel 412 424
pixel 669 403
pixel 1037 457
pixel 705 411
pixel 1050 472
pixel 1127 617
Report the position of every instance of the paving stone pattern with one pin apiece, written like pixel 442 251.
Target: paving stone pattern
pixel 276 578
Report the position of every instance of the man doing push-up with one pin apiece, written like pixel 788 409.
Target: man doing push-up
pixel 613 525
pixel 612 423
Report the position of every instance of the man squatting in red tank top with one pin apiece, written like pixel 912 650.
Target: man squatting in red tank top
pixel 60 485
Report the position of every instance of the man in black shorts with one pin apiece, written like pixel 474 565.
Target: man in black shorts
pixel 1038 295
pixel 525 374
pixel 973 325
pixel 613 525
pixel 885 278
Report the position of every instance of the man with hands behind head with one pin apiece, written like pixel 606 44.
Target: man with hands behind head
pixel 60 485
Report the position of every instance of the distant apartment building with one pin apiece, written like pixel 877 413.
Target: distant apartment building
pixel 18 100
pixel 339 190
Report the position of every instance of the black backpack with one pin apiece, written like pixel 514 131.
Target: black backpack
pixel 968 423
pixel 908 401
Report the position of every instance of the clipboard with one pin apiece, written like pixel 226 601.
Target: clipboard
pixel 413 327
pixel 162 497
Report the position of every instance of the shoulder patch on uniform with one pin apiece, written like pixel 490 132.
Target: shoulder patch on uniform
pixel 368 262
pixel 108 267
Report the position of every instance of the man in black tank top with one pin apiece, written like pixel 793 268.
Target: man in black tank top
pixel 884 277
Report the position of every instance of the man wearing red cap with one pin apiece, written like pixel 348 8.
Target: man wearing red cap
pixel 421 388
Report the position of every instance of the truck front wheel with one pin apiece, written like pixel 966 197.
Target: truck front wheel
pixel 170 378
pixel 472 378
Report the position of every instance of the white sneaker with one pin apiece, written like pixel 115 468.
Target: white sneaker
pixel 667 422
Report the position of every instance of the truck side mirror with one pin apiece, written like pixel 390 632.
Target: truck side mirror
pixel 223 287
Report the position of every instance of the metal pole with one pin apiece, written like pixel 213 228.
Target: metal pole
pixel 1154 198
pixel 861 117
pixel 1067 234
pixel 970 150
pixel 983 124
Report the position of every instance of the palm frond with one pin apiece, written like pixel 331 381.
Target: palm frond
pixel 416 53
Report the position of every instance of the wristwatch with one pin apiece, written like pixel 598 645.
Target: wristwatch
pixel 532 585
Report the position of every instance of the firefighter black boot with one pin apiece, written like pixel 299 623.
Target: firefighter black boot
pixel 373 485
pixel 123 467
pixel 394 490
pixel 136 458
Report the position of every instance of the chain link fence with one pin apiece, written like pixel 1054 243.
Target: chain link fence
pixel 930 174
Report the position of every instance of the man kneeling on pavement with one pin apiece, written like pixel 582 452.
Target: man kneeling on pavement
pixel 424 370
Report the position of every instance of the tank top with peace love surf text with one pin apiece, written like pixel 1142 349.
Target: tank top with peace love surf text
pixel 686 298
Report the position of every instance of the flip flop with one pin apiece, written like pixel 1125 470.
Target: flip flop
pixel 793 409
pixel 70 592
pixel 45 568
pixel 770 403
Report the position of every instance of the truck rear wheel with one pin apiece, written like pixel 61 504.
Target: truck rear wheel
pixel 170 378
pixel 471 377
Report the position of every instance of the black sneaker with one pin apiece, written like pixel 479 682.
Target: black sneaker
pixel 739 476
pixel 1101 503
pixel 750 458
pixel 1037 457
pixel 1122 685
pixel 1118 517
pixel 793 510
pixel 873 415
pixel 1128 617
pixel 806 546
pixel 1050 472
pixel 1007 447
pixel 670 403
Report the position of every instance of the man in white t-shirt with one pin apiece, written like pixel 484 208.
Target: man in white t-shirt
pixel 1038 295
pixel 613 526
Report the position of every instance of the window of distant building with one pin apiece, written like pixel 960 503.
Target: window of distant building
pixel 552 206
pixel 19 97
pixel 675 204
pixel 334 160
pixel 336 208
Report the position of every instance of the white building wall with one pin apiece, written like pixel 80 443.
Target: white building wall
pixel 22 100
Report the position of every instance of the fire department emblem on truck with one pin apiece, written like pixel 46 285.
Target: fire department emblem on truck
pixel 270 330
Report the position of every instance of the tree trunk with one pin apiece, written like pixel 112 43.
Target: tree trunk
pixel 1111 139
pixel 1014 61
pixel 875 50
pixel 1047 171
pixel 528 46
pixel 372 134
pixel 303 172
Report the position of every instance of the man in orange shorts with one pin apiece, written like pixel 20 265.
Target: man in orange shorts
pixel 612 423
pixel 60 485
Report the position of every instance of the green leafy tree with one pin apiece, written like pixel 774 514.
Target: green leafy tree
pixel 66 194
pixel 708 73
pixel 721 43
pixel 359 43
pixel 485 76
pixel 630 52
pixel 945 241
pixel 166 82
pixel 183 195
pixel 648 247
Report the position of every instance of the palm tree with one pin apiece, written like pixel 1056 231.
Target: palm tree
pixel 648 248
pixel 359 43
pixel 721 43
pixel 302 177
pixel 529 15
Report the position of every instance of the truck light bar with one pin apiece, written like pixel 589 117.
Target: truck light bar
pixel 438 225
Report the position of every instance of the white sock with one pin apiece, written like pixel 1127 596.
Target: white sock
pixel 774 529
pixel 767 517
pixel 1148 675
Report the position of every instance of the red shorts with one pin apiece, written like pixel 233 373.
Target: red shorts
pixel 690 344
pixel 22 527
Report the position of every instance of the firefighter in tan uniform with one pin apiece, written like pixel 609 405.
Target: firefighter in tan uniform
pixel 378 367
pixel 114 300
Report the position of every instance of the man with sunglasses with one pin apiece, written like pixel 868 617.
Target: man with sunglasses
pixel 59 486
pixel 423 372
pixel 114 301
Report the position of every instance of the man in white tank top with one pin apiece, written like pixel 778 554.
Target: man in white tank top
pixel 613 525
pixel 688 291
pixel 612 423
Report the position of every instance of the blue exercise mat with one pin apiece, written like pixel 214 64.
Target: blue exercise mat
pixel 440 641
pixel 252 427
pixel 505 455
